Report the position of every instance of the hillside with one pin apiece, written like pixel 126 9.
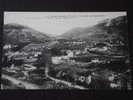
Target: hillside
pixel 107 29
pixel 15 33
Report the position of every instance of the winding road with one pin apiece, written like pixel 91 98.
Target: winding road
pixel 28 85
pixel 62 81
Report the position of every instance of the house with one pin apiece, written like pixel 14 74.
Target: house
pixel 29 67
pixel 99 49
pixel 70 53
pixel 77 52
pixel 56 60
pixel 33 47
pixel 31 60
pixel 88 79
pixel 7 46
pixel 95 60
pixel 114 85
pixel 19 55
pixel 37 53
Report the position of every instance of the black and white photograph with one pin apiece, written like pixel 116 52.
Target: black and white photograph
pixel 66 50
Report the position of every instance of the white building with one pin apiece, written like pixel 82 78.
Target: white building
pixel 7 46
pixel 70 53
pixel 77 52
pixel 88 79
pixel 95 60
pixel 56 60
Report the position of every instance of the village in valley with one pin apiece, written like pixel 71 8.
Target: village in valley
pixel 98 62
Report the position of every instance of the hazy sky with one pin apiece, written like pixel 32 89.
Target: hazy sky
pixel 56 23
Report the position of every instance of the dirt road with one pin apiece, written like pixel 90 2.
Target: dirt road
pixel 16 82
pixel 66 83
pixel 62 81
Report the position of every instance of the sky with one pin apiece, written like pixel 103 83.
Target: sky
pixel 57 23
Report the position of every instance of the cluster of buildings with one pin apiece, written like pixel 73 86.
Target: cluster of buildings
pixel 99 47
pixel 76 42
pixel 61 59
pixel 28 54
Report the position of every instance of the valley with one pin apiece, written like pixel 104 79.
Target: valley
pixel 94 57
